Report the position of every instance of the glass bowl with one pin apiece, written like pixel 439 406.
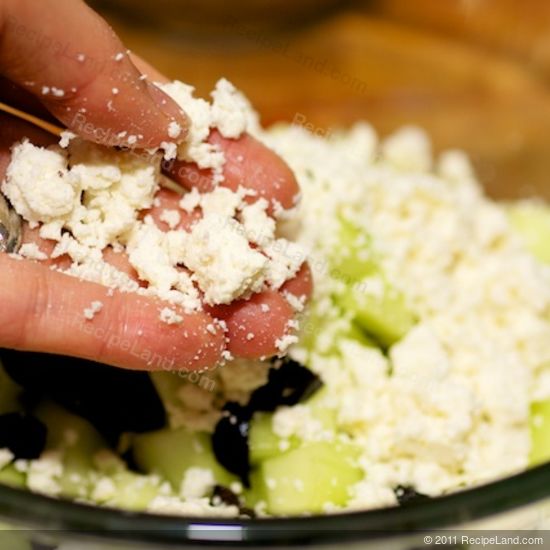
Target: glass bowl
pixel 475 75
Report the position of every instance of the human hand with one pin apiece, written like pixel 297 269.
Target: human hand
pixel 42 309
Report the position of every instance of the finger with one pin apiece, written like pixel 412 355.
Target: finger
pixel 248 163
pixel 167 214
pixel 65 54
pixel 299 289
pixel 44 310
pixel 296 290
pixel 146 69
pixel 254 326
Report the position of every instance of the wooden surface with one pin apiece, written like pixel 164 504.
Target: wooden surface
pixel 476 74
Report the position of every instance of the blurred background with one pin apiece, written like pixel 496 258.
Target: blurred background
pixel 474 73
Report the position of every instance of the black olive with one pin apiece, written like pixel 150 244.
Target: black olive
pixel 408 495
pixel 288 384
pixel 230 440
pixel 24 435
pixel 227 496
pixel 113 400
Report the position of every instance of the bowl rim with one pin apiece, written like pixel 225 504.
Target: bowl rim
pixel 44 513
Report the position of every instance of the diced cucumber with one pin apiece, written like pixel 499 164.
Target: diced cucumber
pixel 170 453
pixel 9 393
pixel 540 432
pixel 262 441
pixel 132 491
pixel 353 259
pixel 9 475
pixel 383 315
pixel 322 410
pixel 255 493
pixel 532 222
pixel 323 335
pixel 307 479
pixel 78 440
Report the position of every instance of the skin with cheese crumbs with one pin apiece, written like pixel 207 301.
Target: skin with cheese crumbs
pixel 126 318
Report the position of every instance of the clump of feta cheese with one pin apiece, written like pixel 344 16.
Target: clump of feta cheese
pixel 87 197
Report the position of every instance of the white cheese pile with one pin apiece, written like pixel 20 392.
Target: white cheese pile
pixel 449 404
pixel 87 197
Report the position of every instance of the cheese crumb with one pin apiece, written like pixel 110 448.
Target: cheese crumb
pixel 170 217
pixel 170 317
pixel 223 264
pixel 32 252
pixel 197 483
pixel 174 129
pixel 95 307
pixel 6 456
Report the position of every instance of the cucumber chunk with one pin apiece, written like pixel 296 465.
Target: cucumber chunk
pixel 9 475
pixel 383 315
pixel 131 491
pixel 322 335
pixel 78 440
pixel 254 494
pixel 262 441
pixel 531 220
pixel 307 479
pixel 540 432
pixel 170 453
pixel 354 259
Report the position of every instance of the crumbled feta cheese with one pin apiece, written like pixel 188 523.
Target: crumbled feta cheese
pixel 36 183
pixel 95 307
pixel 449 405
pixel 258 226
pixel 170 217
pixel 170 317
pixel 190 200
pixel 32 252
pixel 194 508
pixel 222 261
pixel 197 483
pixel 44 473
pixel 286 259
pixel 88 197
pixel 283 343
pixel 66 137
pixel 6 456
pixel 174 129
pixel 103 490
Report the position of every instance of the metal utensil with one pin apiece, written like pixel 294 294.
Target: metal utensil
pixel 10 227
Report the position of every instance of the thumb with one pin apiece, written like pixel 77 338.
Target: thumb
pixel 68 56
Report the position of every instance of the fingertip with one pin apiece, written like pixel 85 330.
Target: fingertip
pixel 254 326
pixel 251 164
pixel 168 215
pixel 300 286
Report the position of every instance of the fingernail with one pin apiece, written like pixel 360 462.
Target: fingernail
pixel 170 108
